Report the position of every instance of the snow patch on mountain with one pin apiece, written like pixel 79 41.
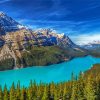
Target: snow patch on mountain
pixel 92 45
pixel 7 24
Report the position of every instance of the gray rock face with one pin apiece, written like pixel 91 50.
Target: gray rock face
pixel 7 24
pixel 16 40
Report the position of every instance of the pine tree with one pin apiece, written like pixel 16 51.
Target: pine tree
pixel 64 92
pixel 6 96
pixel 18 91
pixel 60 93
pixel 45 94
pixel 1 93
pixel 56 94
pixel 23 94
pixel 98 87
pixel 89 90
pixel 12 95
pixel 74 88
pixel 80 86
pixel 52 87
pixel 74 91
pixel 30 94
pixel 34 88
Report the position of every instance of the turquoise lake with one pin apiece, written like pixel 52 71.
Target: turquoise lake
pixel 57 72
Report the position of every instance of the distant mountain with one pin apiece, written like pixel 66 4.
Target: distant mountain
pixel 7 24
pixel 51 36
pixel 93 45
pixel 93 48
pixel 22 47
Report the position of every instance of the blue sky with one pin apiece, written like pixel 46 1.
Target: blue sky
pixel 80 19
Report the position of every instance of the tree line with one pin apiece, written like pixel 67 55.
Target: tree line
pixel 81 88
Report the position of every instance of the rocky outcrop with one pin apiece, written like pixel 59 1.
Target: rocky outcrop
pixel 6 53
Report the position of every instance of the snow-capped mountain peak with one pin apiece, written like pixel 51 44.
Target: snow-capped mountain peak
pixel 95 42
pixel 92 45
pixel 7 24
pixel 48 36
pixel 2 13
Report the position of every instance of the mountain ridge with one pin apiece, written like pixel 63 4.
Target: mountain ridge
pixel 92 45
pixel 7 24
pixel 26 47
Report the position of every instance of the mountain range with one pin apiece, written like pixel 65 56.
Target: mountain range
pixel 21 47
pixel 93 45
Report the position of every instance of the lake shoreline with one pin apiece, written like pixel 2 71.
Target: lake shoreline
pixel 16 68
pixel 56 72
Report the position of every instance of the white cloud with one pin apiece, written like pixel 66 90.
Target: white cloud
pixel 86 38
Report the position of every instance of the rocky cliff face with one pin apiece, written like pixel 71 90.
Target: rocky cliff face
pixel 18 43
pixel 7 24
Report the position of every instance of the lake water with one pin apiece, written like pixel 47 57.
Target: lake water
pixel 57 72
